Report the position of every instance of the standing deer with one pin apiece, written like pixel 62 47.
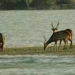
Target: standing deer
pixel 2 41
pixel 60 35
pixel 69 31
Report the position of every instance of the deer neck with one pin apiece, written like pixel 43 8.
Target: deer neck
pixel 48 42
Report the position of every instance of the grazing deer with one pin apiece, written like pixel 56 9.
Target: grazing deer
pixel 2 41
pixel 60 35
pixel 69 31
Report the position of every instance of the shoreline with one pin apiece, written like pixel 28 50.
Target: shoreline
pixel 34 50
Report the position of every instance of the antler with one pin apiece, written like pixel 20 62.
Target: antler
pixel 44 38
pixel 57 24
pixel 52 25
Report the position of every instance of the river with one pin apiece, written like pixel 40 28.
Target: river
pixel 27 27
pixel 37 65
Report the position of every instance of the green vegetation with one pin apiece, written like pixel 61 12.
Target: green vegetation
pixel 38 51
pixel 36 4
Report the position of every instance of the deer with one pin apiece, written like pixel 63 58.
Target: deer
pixel 60 35
pixel 2 41
pixel 69 31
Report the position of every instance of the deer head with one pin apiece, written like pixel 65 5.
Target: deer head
pixel 54 28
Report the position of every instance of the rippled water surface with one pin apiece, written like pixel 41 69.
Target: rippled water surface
pixel 26 27
pixel 37 65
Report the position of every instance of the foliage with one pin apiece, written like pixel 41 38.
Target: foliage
pixel 34 4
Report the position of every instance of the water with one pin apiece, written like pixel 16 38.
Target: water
pixel 25 28
pixel 37 65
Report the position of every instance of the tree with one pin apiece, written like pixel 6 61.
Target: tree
pixel 28 2
pixel 50 2
pixel 65 1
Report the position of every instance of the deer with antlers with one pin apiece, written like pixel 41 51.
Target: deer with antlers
pixel 64 35
pixel 69 31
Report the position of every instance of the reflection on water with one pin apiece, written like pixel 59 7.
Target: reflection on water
pixel 37 65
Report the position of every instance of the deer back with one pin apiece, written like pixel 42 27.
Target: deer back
pixel 59 35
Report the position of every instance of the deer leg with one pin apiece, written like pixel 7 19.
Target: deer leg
pixel 59 44
pixel 66 43
pixel 2 47
pixel 71 43
pixel 56 45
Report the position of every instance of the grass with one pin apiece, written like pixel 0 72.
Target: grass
pixel 38 51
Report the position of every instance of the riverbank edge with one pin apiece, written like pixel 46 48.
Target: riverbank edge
pixel 34 50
